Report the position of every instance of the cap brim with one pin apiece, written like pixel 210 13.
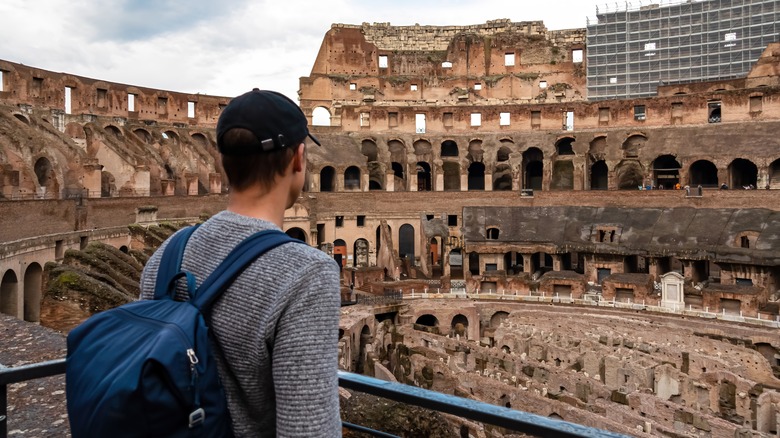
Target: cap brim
pixel 314 139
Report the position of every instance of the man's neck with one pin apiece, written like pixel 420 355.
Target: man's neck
pixel 268 206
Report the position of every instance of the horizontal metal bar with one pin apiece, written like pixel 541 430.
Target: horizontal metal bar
pixel 472 409
pixel 367 430
pixel 32 371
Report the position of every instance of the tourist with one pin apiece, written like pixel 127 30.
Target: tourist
pixel 277 325
pixel 724 186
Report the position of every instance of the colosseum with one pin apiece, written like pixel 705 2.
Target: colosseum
pixel 508 230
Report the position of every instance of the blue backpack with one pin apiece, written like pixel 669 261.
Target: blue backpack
pixel 145 368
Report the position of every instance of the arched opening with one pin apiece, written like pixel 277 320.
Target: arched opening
pixel 564 146
pixel 327 179
pixel 360 251
pixel 423 150
pixel 33 277
pixel 503 154
pixel 143 135
pixel 451 171
pixel 633 145
pixel 460 326
pixel 502 178
pixel 22 119
pixel 423 177
pixel 629 175
pixel 513 263
pixel 406 243
pixel 108 184
pixel 340 252
pixel 398 176
pixel 599 175
pixel 8 293
pixel 171 136
pixel 352 178
pixel 475 151
pixel 743 174
pixel 533 169
pixel 492 233
pixel 563 175
pixel 474 263
pixel 200 139
pixel 320 116
pixel 498 318
pixel 541 262
pixel 449 148
pixel 774 174
pixel 703 173
pixel 476 179
pixel 113 131
pixel 47 180
pixel 666 172
pixel 370 150
pixel 427 320
pixel 297 233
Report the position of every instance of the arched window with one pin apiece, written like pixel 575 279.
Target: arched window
pixel 352 178
pixel 320 116
pixel 327 179
pixel 492 233
pixel 449 149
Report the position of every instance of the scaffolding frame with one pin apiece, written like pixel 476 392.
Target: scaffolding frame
pixel 633 51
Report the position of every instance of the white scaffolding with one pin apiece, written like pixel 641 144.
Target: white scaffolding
pixel 633 51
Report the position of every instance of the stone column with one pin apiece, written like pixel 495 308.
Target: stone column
pixel 390 181
pixel 215 183
pixel 191 180
pixel 464 182
pixel 314 183
pixel 143 182
pixel 439 182
pixel 557 262
pixel 527 259
pixel 339 183
pixel 413 181
pixel 488 182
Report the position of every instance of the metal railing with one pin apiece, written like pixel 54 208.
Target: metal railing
pixel 462 407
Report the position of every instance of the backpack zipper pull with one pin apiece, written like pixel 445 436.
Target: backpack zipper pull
pixel 198 415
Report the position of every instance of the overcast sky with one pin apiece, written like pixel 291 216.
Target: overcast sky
pixel 227 47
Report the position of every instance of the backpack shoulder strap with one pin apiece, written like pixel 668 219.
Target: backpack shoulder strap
pixel 170 263
pixel 239 258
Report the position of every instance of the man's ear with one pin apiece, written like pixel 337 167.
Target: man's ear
pixel 299 159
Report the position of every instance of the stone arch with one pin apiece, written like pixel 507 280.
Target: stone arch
pixel 774 174
pixel 33 278
pixel 375 176
pixel 564 146
pixel 297 233
pixel 397 150
pixel 424 179
pixel 502 177
pixel 630 175
pixel 563 175
pixel 598 148
pixel 475 153
pixel 666 171
pixel 599 175
pixel 340 252
pixel 171 136
pixel 365 339
pixel 460 325
pixel 46 177
pixel 533 168
pixel 503 153
pixel 360 250
pixel 423 150
pixel 22 118
pixel 742 173
pixel 476 176
pixel 451 171
pixel 352 178
pixel 427 320
pixel 320 116
pixel 449 148
pixel 9 286
pixel 498 318
pixel 143 135
pixel 113 131
pixel 704 173
pixel 406 243
pixel 327 179
pixel 200 139
pixel 633 145
pixel 369 149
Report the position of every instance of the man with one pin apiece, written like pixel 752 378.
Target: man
pixel 276 326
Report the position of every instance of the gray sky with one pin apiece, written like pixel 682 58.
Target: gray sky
pixel 227 47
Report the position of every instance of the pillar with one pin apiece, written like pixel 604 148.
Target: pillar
pixel 215 183
pixel 527 259
pixel 488 182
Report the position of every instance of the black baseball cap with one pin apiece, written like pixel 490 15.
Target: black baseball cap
pixel 273 118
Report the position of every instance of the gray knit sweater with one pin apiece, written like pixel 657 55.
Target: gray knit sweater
pixel 277 326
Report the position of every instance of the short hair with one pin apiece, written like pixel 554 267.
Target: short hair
pixel 245 170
